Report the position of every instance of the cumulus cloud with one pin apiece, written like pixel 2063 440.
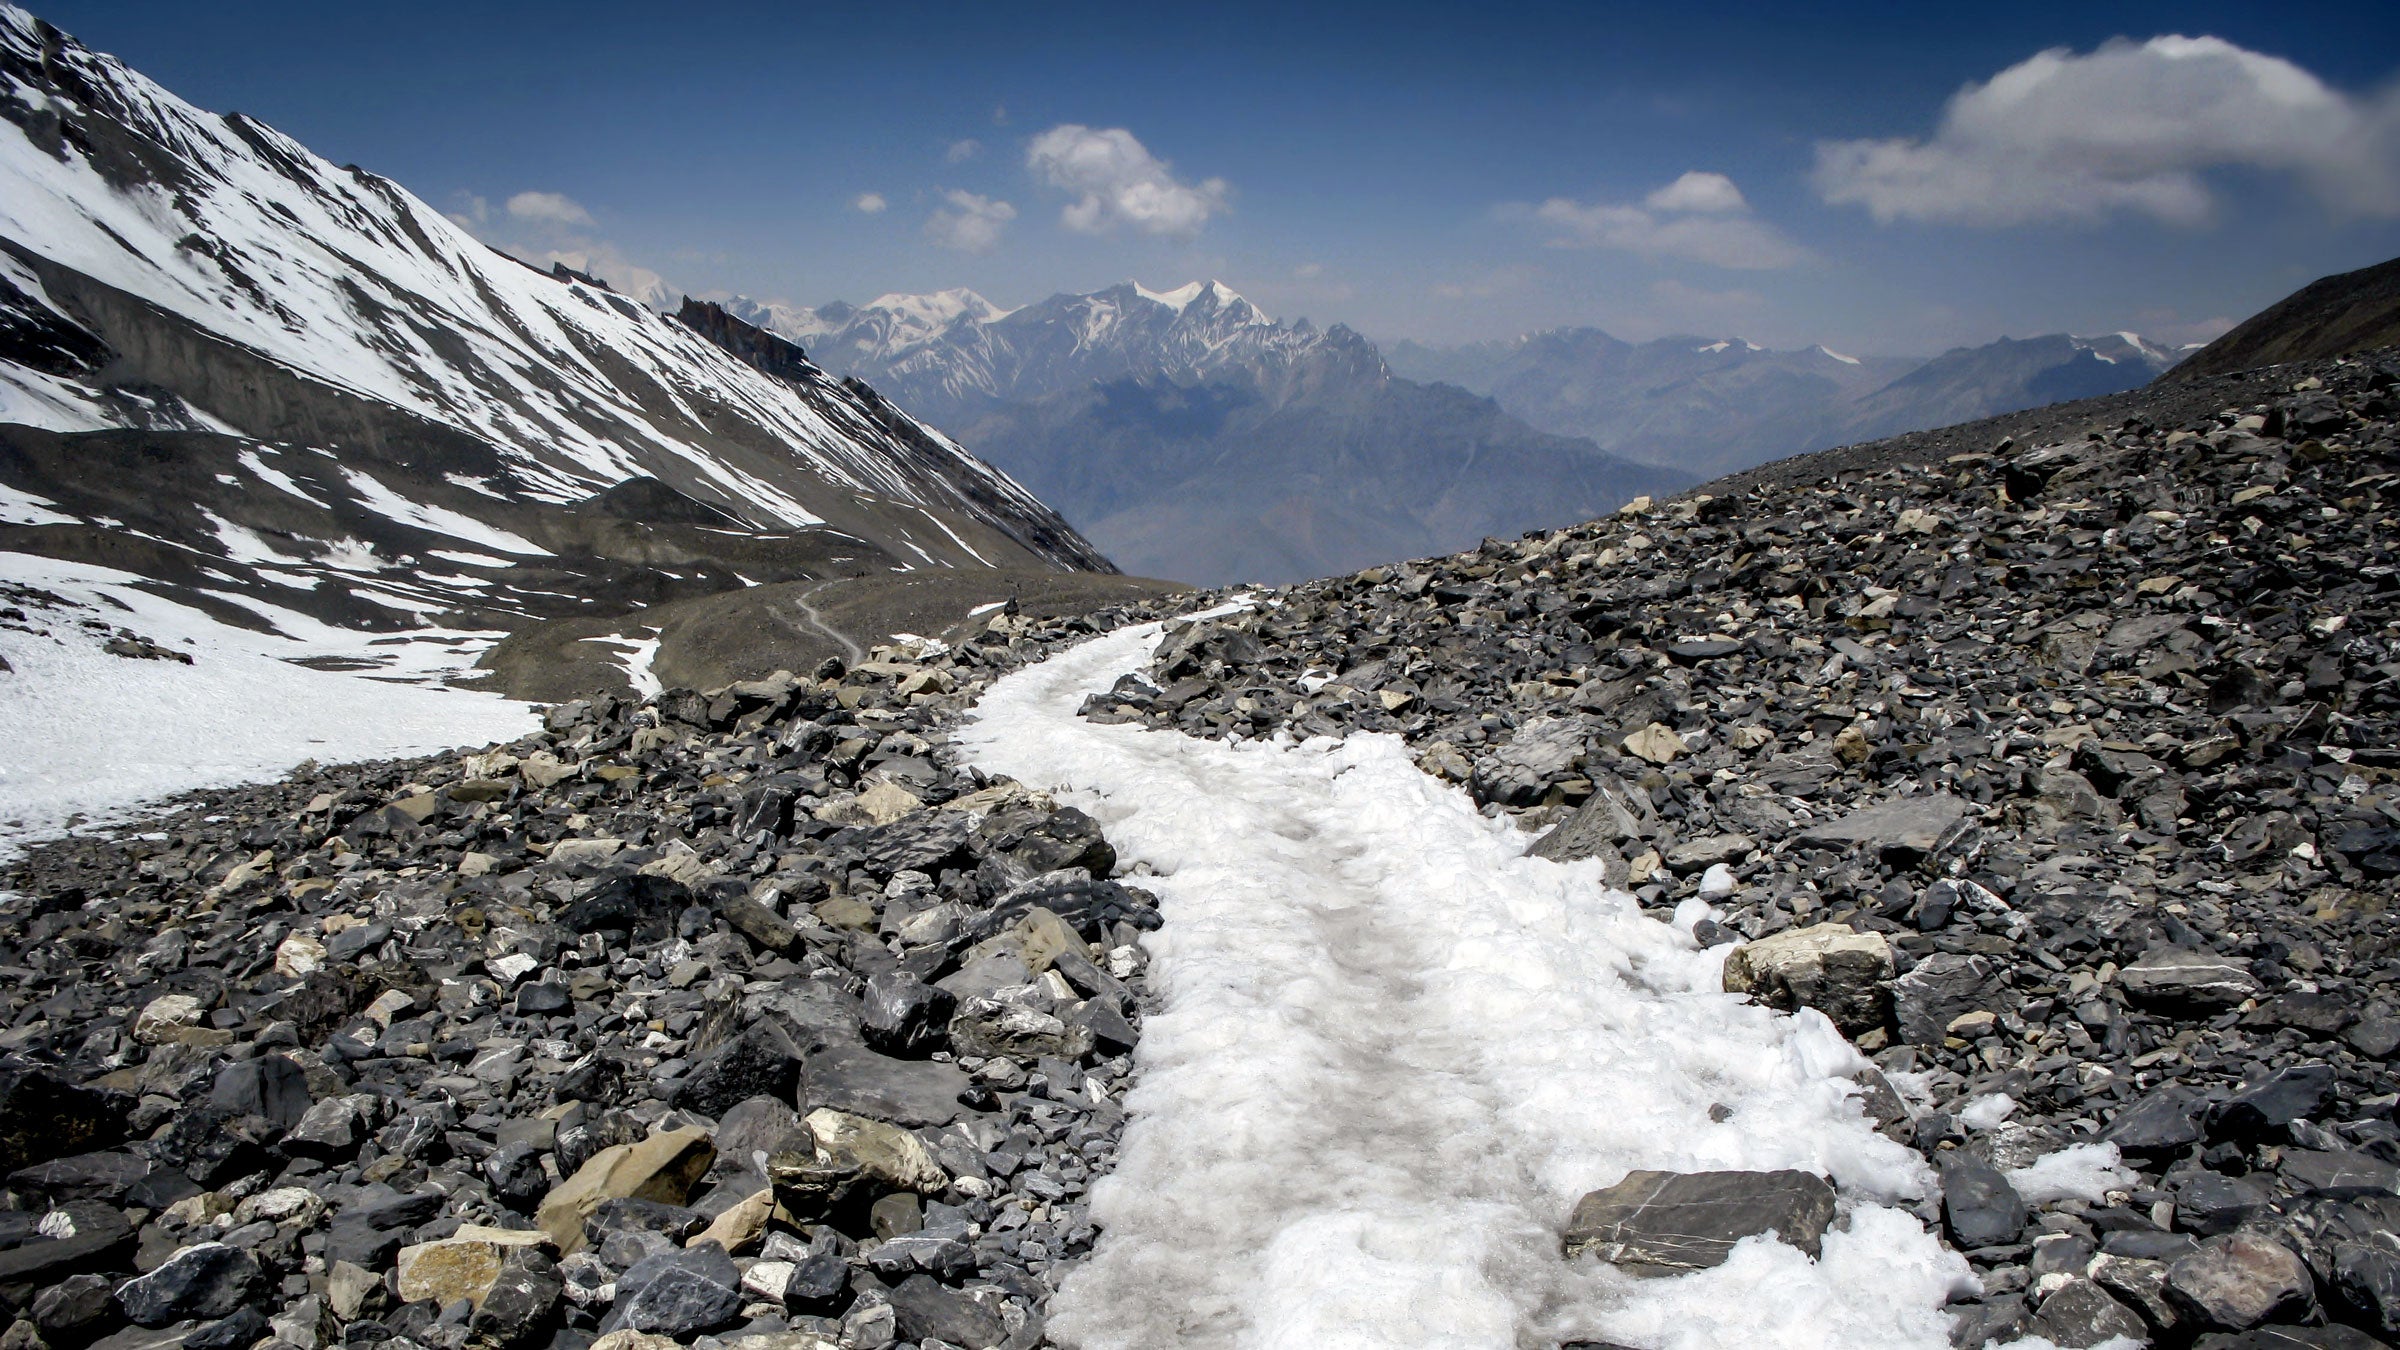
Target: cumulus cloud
pixel 869 203
pixel 1712 193
pixel 962 151
pixel 548 208
pixel 2130 127
pixel 1117 181
pixel 968 222
pixel 1700 216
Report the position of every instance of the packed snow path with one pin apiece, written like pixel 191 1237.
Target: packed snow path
pixel 1393 1052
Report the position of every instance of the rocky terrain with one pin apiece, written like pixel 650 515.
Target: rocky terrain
pixel 2059 774
pixel 746 1014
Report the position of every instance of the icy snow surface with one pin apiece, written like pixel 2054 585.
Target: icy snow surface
pixel 99 736
pixel 1393 1052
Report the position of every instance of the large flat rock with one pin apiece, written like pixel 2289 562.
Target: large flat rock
pixel 1665 1223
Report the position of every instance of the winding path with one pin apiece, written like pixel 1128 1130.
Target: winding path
pixel 1393 1051
pixel 851 651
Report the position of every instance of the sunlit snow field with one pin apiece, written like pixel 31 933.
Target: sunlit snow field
pixel 92 737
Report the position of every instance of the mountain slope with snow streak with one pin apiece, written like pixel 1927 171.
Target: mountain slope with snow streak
pixel 347 280
pixel 1393 1051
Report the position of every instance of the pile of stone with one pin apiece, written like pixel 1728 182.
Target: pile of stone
pixel 2065 778
pixel 748 1018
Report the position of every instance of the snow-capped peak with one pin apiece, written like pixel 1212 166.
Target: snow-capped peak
pixel 940 309
pixel 1824 350
pixel 1221 298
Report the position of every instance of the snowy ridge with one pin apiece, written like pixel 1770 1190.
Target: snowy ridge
pixel 348 279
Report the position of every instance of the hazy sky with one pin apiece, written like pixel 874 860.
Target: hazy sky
pixel 1889 179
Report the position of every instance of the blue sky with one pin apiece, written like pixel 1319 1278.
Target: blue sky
pixel 1883 178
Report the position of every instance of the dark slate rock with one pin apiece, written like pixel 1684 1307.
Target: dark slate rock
pixel 270 1086
pixel 1943 987
pixel 246 1327
pixel 2338 1172
pixel 2177 979
pixel 542 998
pixel 2164 1123
pixel 75 1307
pixel 2264 1109
pixel 907 1092
pixel 921 841
pixel 679 1293
pixel 2209 1203
pixel 1668 1222
pixel 84 1176
pixel 1980 1206
pixel 43 1116
pixel 2079 1314
pixel 2335 1337
pixel 928 1312
pixel 905 1016
pixel 761 1062
pixel 207 1280
pixel 521 1301
pixel 627 902
pixel 96 1236
pixel 1902 829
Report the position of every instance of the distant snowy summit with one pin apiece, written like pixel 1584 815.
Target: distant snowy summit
pixel 953 354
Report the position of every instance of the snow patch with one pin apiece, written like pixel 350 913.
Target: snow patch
pixel 94 738
pixel 2080 1172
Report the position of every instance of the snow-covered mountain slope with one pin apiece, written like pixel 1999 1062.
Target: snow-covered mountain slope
pixel 1723 404
pixel 1195 437
pixel 362 377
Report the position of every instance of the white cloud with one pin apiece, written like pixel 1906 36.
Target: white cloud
pixel 548 208
pixel 1700 216
pixel 1698 191
pixel 969 223
pixel 1308 269
pixel 1118 181
pixel 869 203
pixel 2131 127
pixel 962 151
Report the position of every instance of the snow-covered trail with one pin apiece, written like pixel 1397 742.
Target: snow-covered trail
pixel 1393 1052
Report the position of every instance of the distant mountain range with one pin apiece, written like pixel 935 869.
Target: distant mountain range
pixel 1191 436
pixel 1718 405
pixel 290 394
